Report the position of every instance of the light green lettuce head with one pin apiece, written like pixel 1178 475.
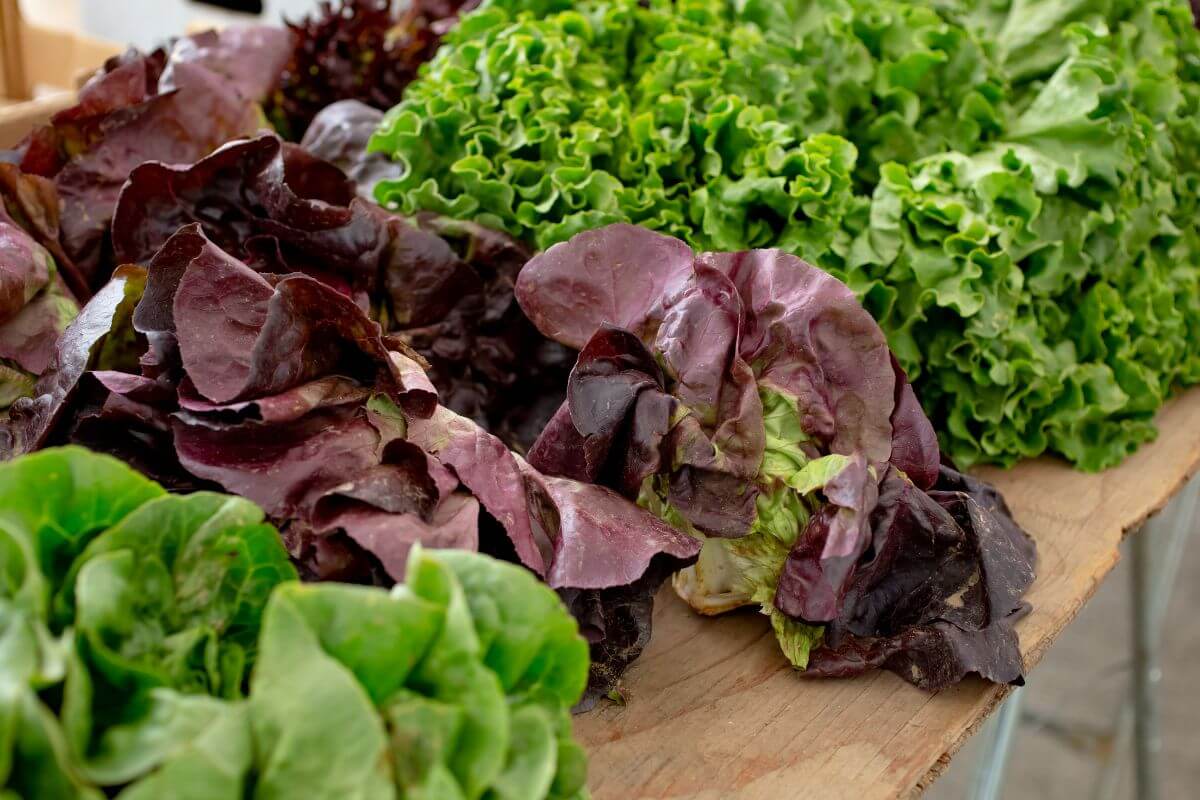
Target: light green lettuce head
pixel 156 645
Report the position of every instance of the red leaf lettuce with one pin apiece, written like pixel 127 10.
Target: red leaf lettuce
pixel 173 105
pixel 205 370
pixel 751 401
pixel 446 288
pixel 357 50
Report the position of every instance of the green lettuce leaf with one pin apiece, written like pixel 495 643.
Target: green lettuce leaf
pixel 159 645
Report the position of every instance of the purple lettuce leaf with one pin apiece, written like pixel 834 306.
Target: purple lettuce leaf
pixel 340 133
pixel 614 276
pixel 81 346
pixel 821 565
pixel 573 534
pixel 941 592
pixel 260 200
pixel 281 389
pixel 444 287
pixel 681 355
pixel 617 622
pixel 172 106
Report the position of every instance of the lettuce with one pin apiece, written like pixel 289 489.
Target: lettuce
pixel 209 369
pixel 175 104
pixel 156 645
pixel 360 50
pixel 750 401
pixel 445 287
pixel 1008 187
pixel 36 302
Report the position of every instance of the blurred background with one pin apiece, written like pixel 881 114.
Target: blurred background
pixel 146 23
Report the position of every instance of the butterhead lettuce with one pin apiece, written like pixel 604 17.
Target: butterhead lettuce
pixel 156 645
pixel 748 399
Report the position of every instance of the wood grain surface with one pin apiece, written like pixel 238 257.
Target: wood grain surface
pixel 714 710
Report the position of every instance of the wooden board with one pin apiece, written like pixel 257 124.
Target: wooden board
pixel 714 710
pixel 39 71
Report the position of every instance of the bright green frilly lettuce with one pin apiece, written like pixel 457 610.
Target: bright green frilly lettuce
pixel 1008 186
pixel 156 645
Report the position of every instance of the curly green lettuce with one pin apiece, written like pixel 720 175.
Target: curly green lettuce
pixel 1009 187
pixel 156 645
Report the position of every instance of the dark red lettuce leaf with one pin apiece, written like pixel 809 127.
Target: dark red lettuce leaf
pixel 613 427
pixel 241 336
pixel 676 349
pixel 573 534
pixel 32 203
pixel 366 50
pixel 617 622
pixel 444 287
pixel 281 389
pixel 340 134
pixel 80 347
pixel 260 200
pixel 940 594
pixel 816 575
pixel 914 443
pixel 173 106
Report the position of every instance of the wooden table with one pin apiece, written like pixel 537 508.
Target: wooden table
pixel 714 710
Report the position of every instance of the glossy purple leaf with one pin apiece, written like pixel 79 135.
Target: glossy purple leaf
pixel 615 276
pixel 573 534
pixel 808 336
pixel 444 287
pixel 340 133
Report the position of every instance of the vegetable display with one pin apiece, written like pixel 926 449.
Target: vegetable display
pixel 346 459
pixel 157 645
pixel 1008 187
pixel 204 370
pixel 748 399
pixel 366 50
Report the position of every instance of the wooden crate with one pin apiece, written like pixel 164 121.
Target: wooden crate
pixel 40 69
